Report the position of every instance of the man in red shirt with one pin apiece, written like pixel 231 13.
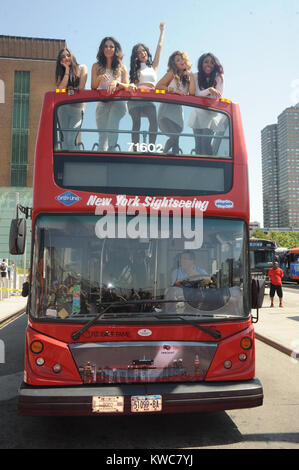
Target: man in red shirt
pixel 275 274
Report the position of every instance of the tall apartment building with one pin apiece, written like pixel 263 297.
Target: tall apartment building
pixel 27 71
pixel 270 176
pixel 280 170
pixel 288 151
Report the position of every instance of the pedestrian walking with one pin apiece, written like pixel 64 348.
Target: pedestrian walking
pixel 275 274
pixel 3 268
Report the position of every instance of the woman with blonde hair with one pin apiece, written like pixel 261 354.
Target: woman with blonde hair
pixel 72 76
pixel 179 80
pixel 110 74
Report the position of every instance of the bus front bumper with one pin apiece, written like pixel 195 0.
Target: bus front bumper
pixel 176 398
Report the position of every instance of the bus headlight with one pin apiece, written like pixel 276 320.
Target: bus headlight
pixel 242 357
pixel 227 364
pixel 56 368
pixel 40 361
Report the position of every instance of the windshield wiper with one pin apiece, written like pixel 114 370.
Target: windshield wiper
pixel 84 328
pixel 91 322
pixel 214 333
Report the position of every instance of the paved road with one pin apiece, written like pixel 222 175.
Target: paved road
pixel 274 425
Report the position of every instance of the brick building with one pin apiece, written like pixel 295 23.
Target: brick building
pixel 27 71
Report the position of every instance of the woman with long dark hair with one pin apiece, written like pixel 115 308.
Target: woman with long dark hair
pixel 143 74
pixel 69 74
pixel 72 76
pixel 110 74
pixel 179 80
pixel 209 78
pixel 209 83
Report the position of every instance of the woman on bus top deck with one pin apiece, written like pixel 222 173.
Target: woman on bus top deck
pixel 209 83
pixel 179 80
pixel 69 74
pixel 109 73
pixel 143 74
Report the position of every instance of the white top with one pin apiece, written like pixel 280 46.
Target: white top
pixel 146 75
pixel 104 84
pixel 219 86
pixel 80 70
pixel 183 88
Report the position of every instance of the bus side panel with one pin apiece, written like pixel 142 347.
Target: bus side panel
pixel 240 182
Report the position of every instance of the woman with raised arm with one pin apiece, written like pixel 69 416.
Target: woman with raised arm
pixel 209 83
pixel 179 80
pixel 110 74
pixel 143 74
pixel 72 76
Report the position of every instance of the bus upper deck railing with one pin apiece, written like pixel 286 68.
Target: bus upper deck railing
pixel 145 146
pixel 164 127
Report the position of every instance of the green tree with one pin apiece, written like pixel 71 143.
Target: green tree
pixel 283 239
pixel 258 233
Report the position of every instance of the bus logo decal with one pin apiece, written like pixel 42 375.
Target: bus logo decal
pixel 224 204
pixel 68 198
pixel 144 332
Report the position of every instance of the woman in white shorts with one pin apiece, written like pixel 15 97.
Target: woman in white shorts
pixel 72 76
pixel 110 74
pixel 179 80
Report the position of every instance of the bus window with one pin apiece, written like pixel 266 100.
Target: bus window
pixel 77 273
pixel 124 175
pixel 94 135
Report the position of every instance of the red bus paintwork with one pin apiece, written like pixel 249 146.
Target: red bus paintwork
pixel 222 388
pixel 44 199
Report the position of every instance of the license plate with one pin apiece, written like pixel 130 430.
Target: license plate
pixel 104 404
pixel 146 403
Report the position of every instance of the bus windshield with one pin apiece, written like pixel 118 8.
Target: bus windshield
pixel 261 258
pixel 76 273
pixel 141 126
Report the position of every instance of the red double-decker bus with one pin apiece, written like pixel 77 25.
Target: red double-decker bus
pixel 140 294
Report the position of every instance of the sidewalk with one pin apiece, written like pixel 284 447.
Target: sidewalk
pixel 11 306
pixel 278 327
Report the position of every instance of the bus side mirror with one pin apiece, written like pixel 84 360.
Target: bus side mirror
pixel 17 236
pixel 257 294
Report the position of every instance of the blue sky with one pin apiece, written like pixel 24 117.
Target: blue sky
pixel 256 41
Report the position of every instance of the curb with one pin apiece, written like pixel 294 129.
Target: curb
pixel 12 317
pixel 279 347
